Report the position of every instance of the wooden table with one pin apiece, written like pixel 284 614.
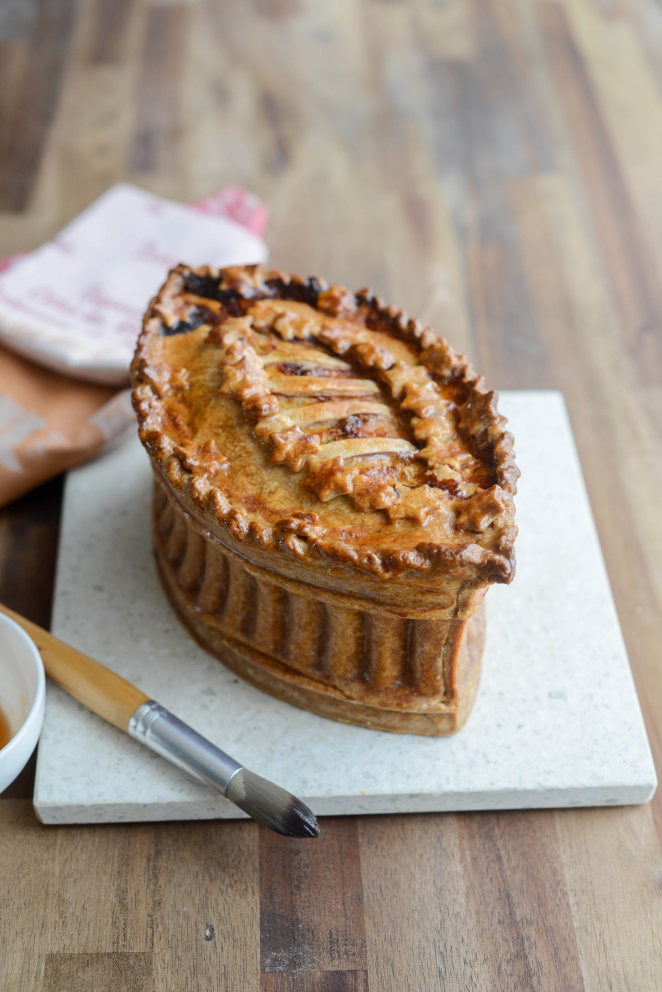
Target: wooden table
pixel 495 166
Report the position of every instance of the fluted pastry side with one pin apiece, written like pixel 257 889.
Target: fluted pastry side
pixel 395 672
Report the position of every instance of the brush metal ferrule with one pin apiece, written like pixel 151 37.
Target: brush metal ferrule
pixel 162 732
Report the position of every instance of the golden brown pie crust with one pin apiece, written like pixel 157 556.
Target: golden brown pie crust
pixel 333 493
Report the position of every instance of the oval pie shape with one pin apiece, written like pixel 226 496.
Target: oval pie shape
pixel 334 492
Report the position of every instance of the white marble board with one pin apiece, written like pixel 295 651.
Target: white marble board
pixel 556 723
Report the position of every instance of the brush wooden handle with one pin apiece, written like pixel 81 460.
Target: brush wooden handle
pixel 92 684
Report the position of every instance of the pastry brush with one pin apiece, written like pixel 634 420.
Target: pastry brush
pixel 126 707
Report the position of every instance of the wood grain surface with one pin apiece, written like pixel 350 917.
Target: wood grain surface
pixel 494 166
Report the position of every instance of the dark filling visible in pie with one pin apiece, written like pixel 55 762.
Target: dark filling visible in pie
pixel 196 316
pixel 318 371
pixel 235 304
pixel 304 292
pixel 209 287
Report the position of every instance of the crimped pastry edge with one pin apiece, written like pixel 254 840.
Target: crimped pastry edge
pixel 473 563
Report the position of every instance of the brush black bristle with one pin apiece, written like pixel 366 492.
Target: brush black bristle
pixel 269 804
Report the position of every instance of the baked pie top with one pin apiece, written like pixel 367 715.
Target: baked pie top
pixel 320 423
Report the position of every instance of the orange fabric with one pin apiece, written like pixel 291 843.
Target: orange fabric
pixel 45 424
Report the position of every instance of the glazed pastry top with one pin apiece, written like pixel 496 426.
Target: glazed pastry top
pixel 320 424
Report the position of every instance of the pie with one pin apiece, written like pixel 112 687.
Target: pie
pixel 333 493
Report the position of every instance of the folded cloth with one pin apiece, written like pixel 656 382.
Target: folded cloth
pixel 76 303
pixel 49 422
pixel 75 307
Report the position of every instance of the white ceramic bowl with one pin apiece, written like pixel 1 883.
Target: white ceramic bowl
pixel 22 697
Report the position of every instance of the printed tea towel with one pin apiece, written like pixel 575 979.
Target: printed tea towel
pixel 75 305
